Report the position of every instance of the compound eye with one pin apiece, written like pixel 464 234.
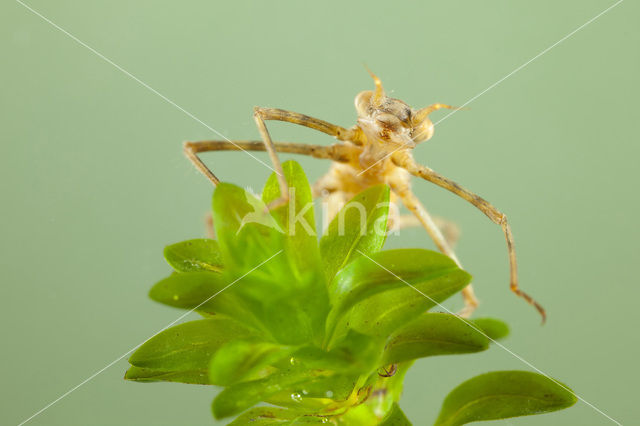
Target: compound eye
pixel 406 116
pixel 363 103
pixel 423 131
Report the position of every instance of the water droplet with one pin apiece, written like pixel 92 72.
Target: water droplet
pixel 293 361
pixel 305 392
pixel 296 397
pixel 329 394
pixel 176 297
pixel 325 420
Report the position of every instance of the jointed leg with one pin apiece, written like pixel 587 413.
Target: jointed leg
pixel 449 229
pixel 404 160
pixel 262 114
pixel 412 203
pixel 191 150
pixel 208 223
pixel 258 116
pixel 335 152
pixel 353 135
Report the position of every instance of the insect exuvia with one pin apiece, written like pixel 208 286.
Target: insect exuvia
pixel 376 150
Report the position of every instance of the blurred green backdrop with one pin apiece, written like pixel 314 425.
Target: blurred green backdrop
pixel 94 184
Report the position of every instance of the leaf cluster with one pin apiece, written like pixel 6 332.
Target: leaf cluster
pixel 323 331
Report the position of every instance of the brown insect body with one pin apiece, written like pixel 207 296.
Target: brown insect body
pixel 377 150
pixel 385 126
pixel 343 181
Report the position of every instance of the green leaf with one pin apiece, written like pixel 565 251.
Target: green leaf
pixel 503 394
pixel 247 233
pixel 138 374
pixel 493 328
pixel 240 360
pixel 297 221
pixel 292 321
pixel 362 414
pixel 360 226
pixel 190 290
pixel 255 249
pixel 434 334
pixel 338 387
pixel 187 347
pixel 296 218
pixel 382 314
pixel 425 277
pixel 388 389
pixel 206 292
pixel 194 255
pixel 236 398
pixel 395 418
pixel 274 416
pixel 356 353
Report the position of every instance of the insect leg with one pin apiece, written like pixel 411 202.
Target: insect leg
pixel 334 152
pixel 353 135
pixel 406 161
pixel 275 160
pixel 208 223
pixel 263 114
pixel 192 149
pixel 449 229
pixel 414 205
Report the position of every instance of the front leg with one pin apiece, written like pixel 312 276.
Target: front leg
pixel 262 114
pixel 258 116
pixel 335 152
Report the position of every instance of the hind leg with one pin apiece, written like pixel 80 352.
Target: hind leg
pixel 412 203
pixel 405 161
pixel 449 229
pixel 208 224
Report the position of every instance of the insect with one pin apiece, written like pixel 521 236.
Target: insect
pixel 376 150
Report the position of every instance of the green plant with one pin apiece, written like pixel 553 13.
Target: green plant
pixel 323 332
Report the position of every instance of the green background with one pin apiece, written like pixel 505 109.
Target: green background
pixel 94 184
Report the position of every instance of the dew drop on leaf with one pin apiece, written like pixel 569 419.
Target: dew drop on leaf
pixel 296 397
